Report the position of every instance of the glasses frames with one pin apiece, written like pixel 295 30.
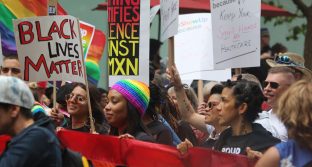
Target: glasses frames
pixel 78 98
pixel 211 104
pixel 273 85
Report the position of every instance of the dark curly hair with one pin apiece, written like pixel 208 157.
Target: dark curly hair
pixel 247 92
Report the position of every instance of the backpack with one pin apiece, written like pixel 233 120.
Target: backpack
pixel 72 158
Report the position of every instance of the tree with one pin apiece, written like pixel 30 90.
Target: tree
pixel 304 11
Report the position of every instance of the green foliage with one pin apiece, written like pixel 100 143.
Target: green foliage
pixel 294 31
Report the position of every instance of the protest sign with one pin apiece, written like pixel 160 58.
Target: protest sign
pixel 128 40
pixel 193 49
pixel 87 32
pixel 154 11
pixel 169 13
pixel 49 48
pixel 236 33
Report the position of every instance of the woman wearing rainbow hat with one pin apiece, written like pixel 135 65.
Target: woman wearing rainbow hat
pixel 127 103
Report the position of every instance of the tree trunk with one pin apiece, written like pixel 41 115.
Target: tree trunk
pixel 308 44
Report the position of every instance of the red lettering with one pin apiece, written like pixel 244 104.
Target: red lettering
pixel 53 68
pixel 71 23
pixel 54 29
pixel 23 33
pixel 62 32
pixel 80 68
pixel 74 70
pixel 40 38
pixel 36 67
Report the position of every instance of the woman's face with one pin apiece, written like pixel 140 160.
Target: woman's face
pixel 212 111
pixel 77 104
pixel 229 113
pixel 116 111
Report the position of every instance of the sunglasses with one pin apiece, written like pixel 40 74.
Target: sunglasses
pixel 273 85
pixel 211 104
pixel 284 59
pixel 78 98
pixel 13 70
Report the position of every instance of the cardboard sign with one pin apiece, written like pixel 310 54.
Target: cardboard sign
pixel 195 32
pixel 87 32
pixel 169 13
pixel 128 40
pixel 236 33
pixel 49 48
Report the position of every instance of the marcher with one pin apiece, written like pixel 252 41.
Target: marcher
pixel 127 103
pixel 240 105
pixel 11 66
pixel 276 83
pixel 77 107
pixel 30 145
pixel 294 110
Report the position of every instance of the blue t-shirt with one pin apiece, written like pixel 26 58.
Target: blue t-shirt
pixel 291 154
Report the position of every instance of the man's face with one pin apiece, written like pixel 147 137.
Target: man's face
pixel 11 67
pixel 5 121
pixel 277 83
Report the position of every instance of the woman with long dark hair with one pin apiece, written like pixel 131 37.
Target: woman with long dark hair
pixel 127 103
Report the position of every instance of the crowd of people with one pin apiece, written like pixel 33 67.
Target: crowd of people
pixel 266 116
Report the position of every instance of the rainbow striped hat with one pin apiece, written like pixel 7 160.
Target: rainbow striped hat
pixel 136 92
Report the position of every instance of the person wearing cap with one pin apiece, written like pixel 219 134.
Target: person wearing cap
pixel 277 82
pixel 11 66
pixel 127 103
pixel 31 145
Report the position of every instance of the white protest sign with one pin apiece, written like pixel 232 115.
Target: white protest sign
pixel 169 13
pixel 49 48
pixel 236 33
pixel 128 40
pixel 153 13
pixel 193 49
pixel 1 54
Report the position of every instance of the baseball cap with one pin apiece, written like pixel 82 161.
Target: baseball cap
pixel 15 91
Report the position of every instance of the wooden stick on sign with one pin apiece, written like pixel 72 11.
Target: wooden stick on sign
pixel 52 10
pixel 92 127
pixel 170 52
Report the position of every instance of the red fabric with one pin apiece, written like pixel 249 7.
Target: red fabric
pixel 191 6
pixel 133 153
pixel 108 151
pixel 3 140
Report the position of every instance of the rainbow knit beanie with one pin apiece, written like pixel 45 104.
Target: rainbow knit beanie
pixel 136 92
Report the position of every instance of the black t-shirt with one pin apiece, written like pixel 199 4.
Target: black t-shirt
pixel 259 140
pixel 160 132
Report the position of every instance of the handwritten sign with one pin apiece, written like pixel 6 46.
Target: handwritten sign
pixel 49 48
pixel 169 13
pixel 87 32
pixel 195 31
pixel 236 33
pixel 128 40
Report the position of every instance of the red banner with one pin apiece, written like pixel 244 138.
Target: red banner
pixel 133 153
pixel 108 151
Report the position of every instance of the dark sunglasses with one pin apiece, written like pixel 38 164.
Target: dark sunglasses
pixel 210 104
pixel 13 70
pixel 79 98
pixel 273 85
